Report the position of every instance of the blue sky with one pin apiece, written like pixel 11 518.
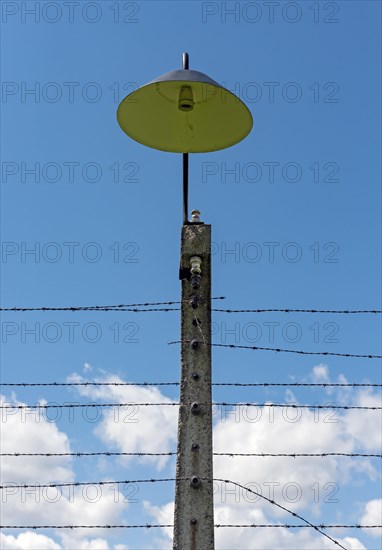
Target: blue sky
pixel 295 215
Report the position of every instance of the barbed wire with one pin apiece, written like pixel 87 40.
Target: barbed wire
pixel 287 526
pixel 337 311
pixel 177 404
pixel 90 308
pixel 280 350
pixel 116 307
pixel 274 503
pixel 83 483
pixel 127 307
pixel 98 453
pixel 282 384
pixel 24 384
pixel 238 384
pixel 294 406
pixel 87 405
pixel 173 453
pixel 219 525
pixel 143 526
pixel 296 455
pixel 86 308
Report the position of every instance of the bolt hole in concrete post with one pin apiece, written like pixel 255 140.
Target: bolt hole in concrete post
pixel 195 282
pixel 194 302
pixel 194 344
pixel 196 408
pixel 195 482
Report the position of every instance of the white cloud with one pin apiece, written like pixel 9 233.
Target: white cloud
pixel 34 541
pixel 294 482
pixel 88 505
pixel 87 367
pixel 164 515
pixel 28 541
pixel 150 429
pixel 28 431
pixel 72 542
pixel 372 516
pixel 320 373
pixel 364 426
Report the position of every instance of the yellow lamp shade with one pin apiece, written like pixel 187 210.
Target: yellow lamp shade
pixel 184 111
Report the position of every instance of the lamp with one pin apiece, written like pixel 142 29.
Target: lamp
pixel 184 111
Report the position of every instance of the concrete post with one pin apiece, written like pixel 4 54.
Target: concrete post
pixel 194 512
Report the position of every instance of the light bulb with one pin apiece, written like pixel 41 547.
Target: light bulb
pixel 186 100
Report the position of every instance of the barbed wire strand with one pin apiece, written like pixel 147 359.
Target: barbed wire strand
pixel 174 453
pixel 287 526
pixel 296 455
pixel 177 404
pixel 294 406
pixel 24 384
pixel 238 384
pixel 89 308
pixel 280 350
pixel 117 307
pixel 337 311
pixel 274 503
pixel 127 307
pixel 143 526
pixel 219 525
pixel 83 483
pixel 284 384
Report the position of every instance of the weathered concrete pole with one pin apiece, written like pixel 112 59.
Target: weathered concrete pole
pixel 194 506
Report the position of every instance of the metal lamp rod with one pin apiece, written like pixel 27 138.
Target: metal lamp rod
pixel 185 160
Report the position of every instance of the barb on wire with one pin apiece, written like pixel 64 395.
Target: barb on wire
pixel 237 384
pixel 173 453
pixel 337 311
pixel 220 525
pixel 280 350
pixel 274 503
pixel 177 404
